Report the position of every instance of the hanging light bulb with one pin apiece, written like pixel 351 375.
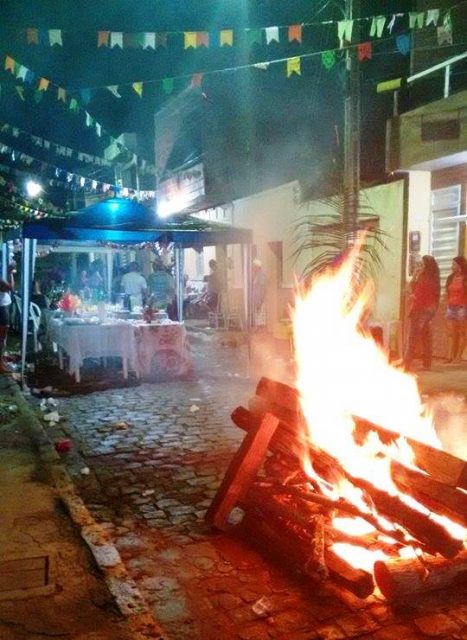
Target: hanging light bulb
pixel 33 188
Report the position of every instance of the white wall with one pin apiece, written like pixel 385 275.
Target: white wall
pixel 420 207
pixel 273 216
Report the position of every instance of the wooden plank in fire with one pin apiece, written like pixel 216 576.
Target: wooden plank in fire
pixel 242 471
pixel 442 466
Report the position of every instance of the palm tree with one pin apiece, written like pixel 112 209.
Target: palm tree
pixel 328 236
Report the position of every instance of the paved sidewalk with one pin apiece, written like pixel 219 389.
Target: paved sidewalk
pixel 156 454
pixel 64 596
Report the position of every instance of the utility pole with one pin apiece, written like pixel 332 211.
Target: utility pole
pixel 351 181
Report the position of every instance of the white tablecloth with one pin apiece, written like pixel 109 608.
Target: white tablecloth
pixel 162 350
pixel 81 341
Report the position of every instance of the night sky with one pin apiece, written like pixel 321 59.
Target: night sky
pixel 254 127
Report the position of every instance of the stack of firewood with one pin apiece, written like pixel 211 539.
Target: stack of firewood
pixel 287 511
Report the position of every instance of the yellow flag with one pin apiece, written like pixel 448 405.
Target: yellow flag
pixel 226 37
pixel 43 84
pixel 9 64
pixel 138 87
pixel 190 39
pixel 293 66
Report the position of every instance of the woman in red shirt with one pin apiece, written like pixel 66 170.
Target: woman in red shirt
pixel 424 298
pixel 456 315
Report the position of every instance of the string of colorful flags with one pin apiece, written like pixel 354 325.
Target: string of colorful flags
pixel 376 26
pixel 72 100
pixel 56 176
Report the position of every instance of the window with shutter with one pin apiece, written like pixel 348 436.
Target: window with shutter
pixel 445 227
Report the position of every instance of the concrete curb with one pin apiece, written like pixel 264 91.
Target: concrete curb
pixel 122 587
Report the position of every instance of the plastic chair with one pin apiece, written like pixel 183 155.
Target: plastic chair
pixel 224 317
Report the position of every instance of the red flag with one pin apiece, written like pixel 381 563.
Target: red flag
pixel 365 51
pixel 295 32
pixel 196 80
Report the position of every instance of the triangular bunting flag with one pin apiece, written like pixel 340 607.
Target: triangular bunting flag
pixel 116 39
pixel 30 76
pixel 416 19
pixel 295 33
pixel 61 94
pixel 20 92
pixel 114 90
pixel 149 40
pixel 168 85
pixel 74 106
pixel 189 39
pixel 272 34
pixel 254 37
pixel 43 84
pixel 202 39
pixel 294 66
pixel 161 40
pixel 98 129
pixel 21 73
pixel 403 44
pixel 196 80
pixel 344 31
pixel 377 26
pixel 9 64
pixel 226 37
pixel 432 17
pixel 138 88
pixel 391 24
pixel 328 59
pixel 444 35
pixel 139 40
pixel 103 38
pixel 55 37
pixel 365 51
pixel 32 36
pixel 89 120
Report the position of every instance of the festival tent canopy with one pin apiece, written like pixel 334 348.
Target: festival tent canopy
pixel 126 222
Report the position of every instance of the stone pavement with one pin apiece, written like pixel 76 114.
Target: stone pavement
pixel 147 460
pixel 64 596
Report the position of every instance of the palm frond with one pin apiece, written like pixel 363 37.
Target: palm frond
pixel 329 235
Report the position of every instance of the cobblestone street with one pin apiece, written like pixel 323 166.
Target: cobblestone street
pixel 156 454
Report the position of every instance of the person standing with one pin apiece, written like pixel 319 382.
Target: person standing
pixel 213 286
pixel 456 313
pixel 5 302
pixel 134 285
pixel 424 300
pixel 161 286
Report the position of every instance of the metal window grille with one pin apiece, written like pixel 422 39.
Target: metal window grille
pixel 445 222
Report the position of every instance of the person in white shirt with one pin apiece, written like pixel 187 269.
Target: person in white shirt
pixel 5 302
pixel 134 285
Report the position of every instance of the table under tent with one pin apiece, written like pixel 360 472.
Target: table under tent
pixel 124 223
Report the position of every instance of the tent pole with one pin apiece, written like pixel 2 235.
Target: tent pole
pixel 179 282
pixel 246 268
pixel 109 256
pixel 27 271
pixel 5 259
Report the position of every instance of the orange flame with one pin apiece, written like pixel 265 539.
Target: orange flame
pixel 341 374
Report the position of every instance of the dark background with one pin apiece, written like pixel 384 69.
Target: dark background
pixel 252 128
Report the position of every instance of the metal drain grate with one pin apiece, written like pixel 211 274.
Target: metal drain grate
pixel 26 577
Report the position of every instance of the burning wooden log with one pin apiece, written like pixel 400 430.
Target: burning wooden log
pixel 432 536
pixel 420 526
pixel 242 471
pixel 442 466
pixel 295 547
pixel 434 495
pixel 400 578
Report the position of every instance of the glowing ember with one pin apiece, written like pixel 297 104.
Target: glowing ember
pixel 342 374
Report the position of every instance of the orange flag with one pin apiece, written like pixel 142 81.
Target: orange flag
pixel 43 84
pixel 9 64
pixel 103 38
pixel 295 33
